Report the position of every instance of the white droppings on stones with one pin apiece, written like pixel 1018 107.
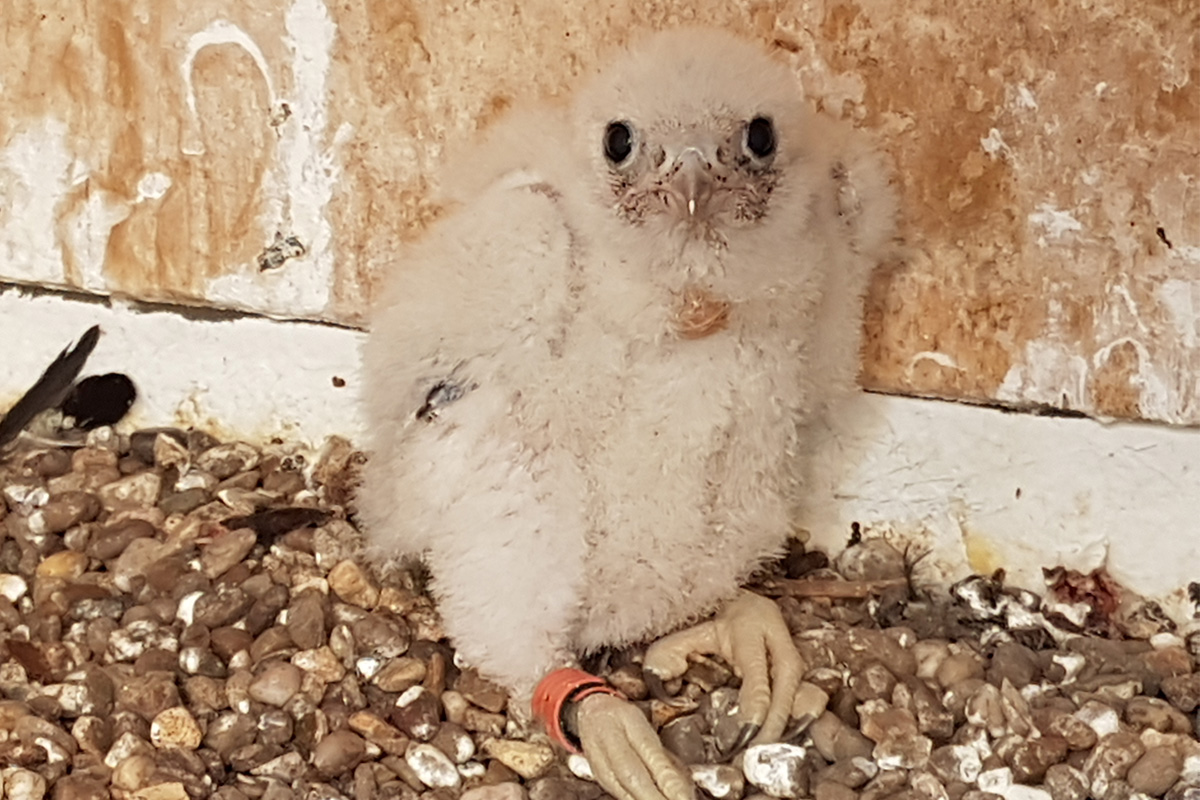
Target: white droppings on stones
pixel 721 781
pixel 777 769
pixel 433 767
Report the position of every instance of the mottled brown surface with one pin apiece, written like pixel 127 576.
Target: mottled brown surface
pixel 999 117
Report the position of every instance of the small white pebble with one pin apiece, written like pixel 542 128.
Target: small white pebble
pixel 720 781
pixel 1166 639
pixel 433 767
pixel 995 780
pixel 186 612
pixel 1019 791
pixel 23 784
pixel 368 666
pixel 1191 769
pixel 1102 719
pixel 1071 663
pixel 13 587
pixel 37 522
pixel 580 767
pixel 410 696
pixel 472 769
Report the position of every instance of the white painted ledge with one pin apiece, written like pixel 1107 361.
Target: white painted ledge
pixel 984 488
pixel 989 489
pixel 249 377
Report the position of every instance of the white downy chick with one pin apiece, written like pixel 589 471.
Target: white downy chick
pixel 587 385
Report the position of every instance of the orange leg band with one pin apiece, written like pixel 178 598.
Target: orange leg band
pixel 559 688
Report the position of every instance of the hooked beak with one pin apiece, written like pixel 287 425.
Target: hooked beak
pixel 692 180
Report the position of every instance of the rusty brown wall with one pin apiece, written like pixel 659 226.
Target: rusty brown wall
pixel 1048 154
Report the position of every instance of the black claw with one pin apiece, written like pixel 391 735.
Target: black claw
pixel 747 733
pixel 658 691
pixel 798 728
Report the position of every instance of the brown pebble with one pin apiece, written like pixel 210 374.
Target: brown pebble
pixel 1066 783
pixel 455 742
pixel 226 460
pixel 353 585
pixel 229 732
pixel 276 640
pixel 64 565
pixel 223 605
pixel 225 550
pixel 564 789
pixel 378 732
pixel 832 790
pixel 500 791
pixel 176 727
pixel 63 511
pixel 530 760
pixel 47 463
pixel 1031 758
pixel 399 674
pixel 80 787
pixel 275 684
pixel 417 713
pixel 835 740
pixel 1168 662
pixel 481 692
pixel 873 682
pixel 1183 691
pixel 684 736
pixel 1111 759
pixel 228 640
pixel 958 667
pixel 148 695
pixel 131 492
pixel 1156 771
pixel 306 619
pixel 1153 712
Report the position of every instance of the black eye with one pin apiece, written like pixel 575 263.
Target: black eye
pixel 760 137
pixel 618 142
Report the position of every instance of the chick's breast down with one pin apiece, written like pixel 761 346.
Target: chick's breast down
pixel 586 386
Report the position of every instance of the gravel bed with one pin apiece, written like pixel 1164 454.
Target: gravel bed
pixel 186 618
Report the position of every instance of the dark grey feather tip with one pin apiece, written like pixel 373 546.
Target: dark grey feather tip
pixel 50 389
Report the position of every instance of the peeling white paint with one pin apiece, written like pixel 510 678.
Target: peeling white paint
pixel 1047 374
pixel 218 32
pixel 300 183
pixel 153 185
pixel 994 145
pixel 1181 299
pixel 36 172
pixel 1187 253
pixel 941 359
pixel 1055 223
pixel 1025 99
pixel 86 235
pixel 1091 176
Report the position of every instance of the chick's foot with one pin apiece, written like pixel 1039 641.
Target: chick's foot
pixel 625 754
pixel 751 635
